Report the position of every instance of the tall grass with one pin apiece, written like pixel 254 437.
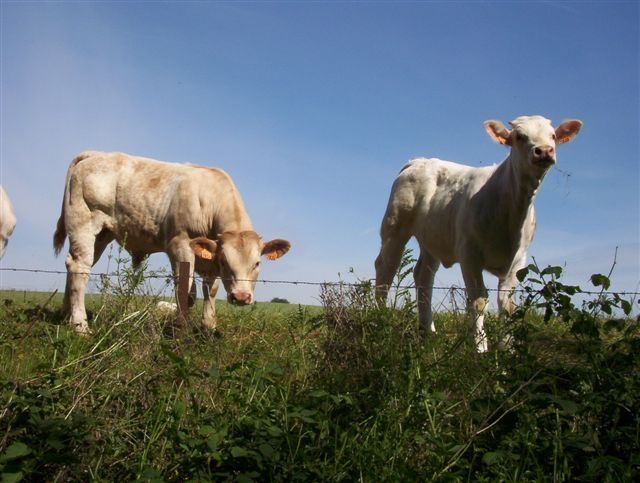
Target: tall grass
pixel 348 392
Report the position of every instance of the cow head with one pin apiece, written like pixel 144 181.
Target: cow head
pixel 235 258
pixel 533 139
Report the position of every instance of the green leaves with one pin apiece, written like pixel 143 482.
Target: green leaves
pixel 555 272
pixel 599 280
pixel 15 451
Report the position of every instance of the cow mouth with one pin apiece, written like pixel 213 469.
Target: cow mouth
pixel 544 163
pixel 239 303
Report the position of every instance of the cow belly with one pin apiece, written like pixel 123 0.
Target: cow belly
pixel 135 238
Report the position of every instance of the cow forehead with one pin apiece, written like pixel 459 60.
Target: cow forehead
pixel 533 126
pixel 238 245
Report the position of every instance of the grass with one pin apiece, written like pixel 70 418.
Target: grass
pixel 348 391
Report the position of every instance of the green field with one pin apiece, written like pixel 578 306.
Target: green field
pixel 344 392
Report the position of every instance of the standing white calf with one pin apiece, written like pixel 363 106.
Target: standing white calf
pixel 482 218
pixel 7 220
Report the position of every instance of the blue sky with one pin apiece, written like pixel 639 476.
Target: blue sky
pixel 313 107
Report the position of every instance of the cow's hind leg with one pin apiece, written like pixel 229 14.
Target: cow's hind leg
pixel 79 262
pixel 102 241
pixel 424 274
pixel 477 302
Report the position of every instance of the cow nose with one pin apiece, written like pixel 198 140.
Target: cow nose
pixel 544 154
pixel 241 297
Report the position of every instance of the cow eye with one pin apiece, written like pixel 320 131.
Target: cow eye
pixel 553 136
pixel 257 265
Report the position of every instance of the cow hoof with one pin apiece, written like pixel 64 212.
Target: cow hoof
pixel 426 332
pixel 482 346
pixel 82 330
pixel 210 333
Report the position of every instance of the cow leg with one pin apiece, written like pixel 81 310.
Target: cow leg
pixel 508 283
pixel 394 235
pixel 387 263
pixel 210 286
pixel 506 286
pixel 506 305
pixel 193 294
pixel 178 250
pixel 79 262
pixel 66 299
pixel 424 274
pixel 477 302
pixel 102 241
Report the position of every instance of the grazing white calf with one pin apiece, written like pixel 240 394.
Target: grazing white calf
pixel 150 206
pixel 7 220
pixel 482 218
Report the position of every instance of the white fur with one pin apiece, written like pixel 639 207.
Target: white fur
pixel 150 206
pixel 7 220
pixel 482 218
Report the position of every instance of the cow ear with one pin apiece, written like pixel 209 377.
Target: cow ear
pixel 274 249
pixel 203 247
pixel 566 131
pixel 497 132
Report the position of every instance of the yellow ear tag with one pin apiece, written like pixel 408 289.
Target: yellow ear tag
pixel 206 254
pixel 272 255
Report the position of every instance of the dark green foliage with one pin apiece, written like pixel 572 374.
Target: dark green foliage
pixel 350 392
pixel 277 300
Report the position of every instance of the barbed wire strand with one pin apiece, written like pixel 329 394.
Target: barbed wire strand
pixel 305 282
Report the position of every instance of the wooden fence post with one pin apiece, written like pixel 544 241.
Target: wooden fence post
pixel 183 296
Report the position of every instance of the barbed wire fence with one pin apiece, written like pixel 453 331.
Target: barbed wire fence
pixel 126 281
pixel 170 279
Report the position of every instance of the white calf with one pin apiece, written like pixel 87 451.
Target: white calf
pixel 482 218
pixel 151 206
pixel 7 220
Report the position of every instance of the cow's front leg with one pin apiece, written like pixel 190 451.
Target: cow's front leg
pixel 506 304
pixel 507 284
pixel 477 302
pixel 387 263
pixel 506 287
pixel 179 251
pixel 210 286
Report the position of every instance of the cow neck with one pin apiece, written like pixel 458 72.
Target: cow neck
pixel 517 189
pixel 234 219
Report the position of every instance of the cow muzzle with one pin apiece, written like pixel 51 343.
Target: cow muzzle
pixel 544 156
pixel 240 297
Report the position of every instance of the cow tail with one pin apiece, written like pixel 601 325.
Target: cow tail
pixel 60 234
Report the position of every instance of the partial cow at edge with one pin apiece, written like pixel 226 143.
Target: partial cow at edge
pixel 482 218
pixel 192 213
pixel 7 220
